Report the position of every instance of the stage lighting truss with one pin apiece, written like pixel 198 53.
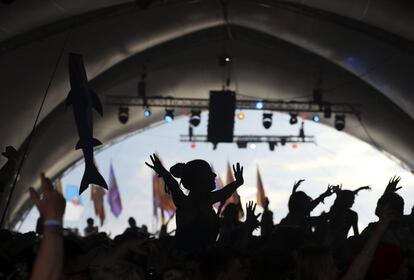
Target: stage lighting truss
pixel 242 141
pixel 325 109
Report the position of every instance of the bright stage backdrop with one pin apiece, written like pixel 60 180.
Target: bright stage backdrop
pixel 337 158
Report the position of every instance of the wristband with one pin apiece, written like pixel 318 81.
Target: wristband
pixel 55 229
pixel 53 223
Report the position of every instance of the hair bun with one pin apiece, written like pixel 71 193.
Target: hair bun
pixel 177 170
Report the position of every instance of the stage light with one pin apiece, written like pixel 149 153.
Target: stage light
pixel 283 141
pixel 316 118
pixel 252 146
pixel 340 122
pixel 272 145
pixel 195 117
pixel 241 144
pixel 259 105
pixel 267 120
pixel 293 118
pixel 241 116
pixel 169 115
pixel 123 114
pixel 147 112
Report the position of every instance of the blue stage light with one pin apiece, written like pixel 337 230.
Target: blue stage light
pixel 259 105
pixel 316 118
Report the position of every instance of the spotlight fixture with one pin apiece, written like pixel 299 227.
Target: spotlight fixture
pixel 293 118
pixel 316 118
pixel 147 112
pixel 169 115
pixel 195 117
pixel 123 114
pixel 259 105
pixel 241 116
pixel 267 120
pixel 340 122
pixel 252 146
pixel 272 145
pixel 241 144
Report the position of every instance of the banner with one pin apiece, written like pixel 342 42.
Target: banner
pixel 260 196
pixel 114 197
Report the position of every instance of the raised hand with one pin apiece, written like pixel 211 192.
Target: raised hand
pixel 252 220
pixel 156 165
pixel 52 205
pixel 297 184
pixel 392 185
pixel 238 173
pixel 332 189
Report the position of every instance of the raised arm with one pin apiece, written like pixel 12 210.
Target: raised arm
pixel 49 260
pixel 227 191
pixel 355 224
pixel 177 195
pixel 329 191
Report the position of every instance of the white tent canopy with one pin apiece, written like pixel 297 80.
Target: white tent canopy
pixel 364 50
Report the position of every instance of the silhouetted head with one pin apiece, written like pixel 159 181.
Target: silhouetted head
pixel 90 221
pixel 393 200
pixel 132 222
pixel 196 175
pixel 231 213
pixel 266 202
pixel 344 199
pixel 300 203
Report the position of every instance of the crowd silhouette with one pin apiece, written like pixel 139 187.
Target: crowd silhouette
pixel 215 244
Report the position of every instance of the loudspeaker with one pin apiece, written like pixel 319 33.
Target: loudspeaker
pixel 222 107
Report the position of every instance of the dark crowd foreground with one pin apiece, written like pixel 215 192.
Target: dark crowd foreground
pixel 208 245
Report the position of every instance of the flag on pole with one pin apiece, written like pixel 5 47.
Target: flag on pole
pixel 260 196
pixel 114 197
pixel 97 196
pixel 161 199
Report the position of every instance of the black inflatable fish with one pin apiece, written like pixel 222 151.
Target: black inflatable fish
pixel 83 99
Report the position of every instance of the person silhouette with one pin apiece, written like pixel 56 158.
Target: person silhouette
pixel 196 220
pixel 132 226
pixel 301 205
pixel 341 218
pixel 230 225
pixel 90 229
pixel 266 224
